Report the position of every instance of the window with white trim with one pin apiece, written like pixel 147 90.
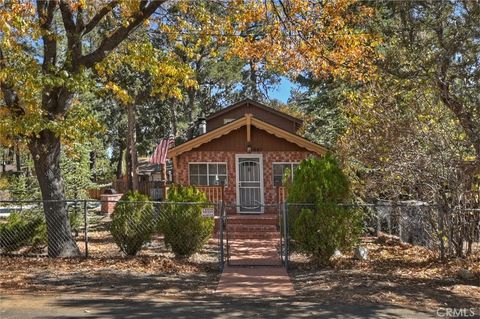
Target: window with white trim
pixel 205 174
pixel 279 171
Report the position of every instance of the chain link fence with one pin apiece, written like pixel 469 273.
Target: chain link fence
pixel 449 232
pixel 136 228
pixel 182 230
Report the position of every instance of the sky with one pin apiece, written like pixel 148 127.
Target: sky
pixel 282 92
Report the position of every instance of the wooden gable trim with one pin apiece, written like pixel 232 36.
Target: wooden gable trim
pixel 245 121
pixel 295 139
pixel 249 125
pixel 207 137
pixel 260 105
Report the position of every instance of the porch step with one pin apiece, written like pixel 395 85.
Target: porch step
pixel 242 228
pixel 270 219
pixel 272 235
pixel 262 226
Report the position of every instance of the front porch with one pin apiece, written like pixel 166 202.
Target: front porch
pixel 159 191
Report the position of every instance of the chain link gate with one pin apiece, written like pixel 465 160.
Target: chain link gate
pixel 252 239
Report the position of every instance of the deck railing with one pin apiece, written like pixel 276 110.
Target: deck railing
pixel 156 191
pixel 214 193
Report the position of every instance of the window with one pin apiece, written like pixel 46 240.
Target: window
pixel 279 170
pixel 204 174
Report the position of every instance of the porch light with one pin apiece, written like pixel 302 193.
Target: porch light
pixel 249 148
pixel 216 181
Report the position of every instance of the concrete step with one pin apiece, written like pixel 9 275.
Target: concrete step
pixel 253 235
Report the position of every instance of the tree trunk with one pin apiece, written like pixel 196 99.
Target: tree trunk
pixel 120 162
pixel 128 165
pixel 190 103
pixel 132 148
pixel 17 157
pixel 253 81
pixel 93 162
pixel 174 121
pixel 46 158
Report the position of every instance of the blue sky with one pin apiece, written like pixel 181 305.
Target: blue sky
pixel 282 92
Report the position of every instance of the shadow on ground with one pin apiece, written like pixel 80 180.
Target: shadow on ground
pixel 124 283
pixel 210 307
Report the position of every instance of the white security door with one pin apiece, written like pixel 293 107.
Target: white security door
pixel 249 183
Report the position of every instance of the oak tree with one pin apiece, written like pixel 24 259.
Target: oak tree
pixel 39 83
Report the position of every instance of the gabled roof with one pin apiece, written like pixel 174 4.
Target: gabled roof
pixel 257 104
pixel 243 121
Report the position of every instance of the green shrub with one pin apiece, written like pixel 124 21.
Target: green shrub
pixel 75 217
pixel 184 228
pixel 133 222
pixel 22 187
pixel 23 229
pixel 320 228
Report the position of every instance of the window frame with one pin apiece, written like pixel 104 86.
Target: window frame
pixel 282 163
pixel 208 172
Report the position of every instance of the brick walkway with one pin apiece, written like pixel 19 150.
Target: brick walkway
pixel 269 279
pixel 254 252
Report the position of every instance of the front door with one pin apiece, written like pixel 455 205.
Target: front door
pixel 249 183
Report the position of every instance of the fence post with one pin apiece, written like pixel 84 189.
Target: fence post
pixel 85 227
pixel 222 253
pixel 441 225
pixel 389 221
pixel 280 226
pixel 400 220
pixel 285 232
pixel 379 222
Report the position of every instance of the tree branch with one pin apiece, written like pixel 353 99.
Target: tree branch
pixel 465 117
pixel 98 17
pixel 45 11
pixel 73 37
pixel 111 42
pixel 10 97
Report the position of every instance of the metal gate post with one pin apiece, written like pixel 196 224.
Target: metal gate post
pixel 222 253
pixel 285 232
pixel 280 225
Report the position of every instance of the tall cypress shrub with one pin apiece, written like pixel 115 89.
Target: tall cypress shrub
pixel 324 224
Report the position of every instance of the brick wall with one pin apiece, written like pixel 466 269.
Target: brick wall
pixel 270 192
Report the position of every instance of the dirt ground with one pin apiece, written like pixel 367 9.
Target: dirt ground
pixel 398 275
pixel 401 275
pixel 146 273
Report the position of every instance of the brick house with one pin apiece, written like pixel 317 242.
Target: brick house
pixel 247 145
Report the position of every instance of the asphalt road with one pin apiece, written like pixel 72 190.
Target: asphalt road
pixel 212 306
